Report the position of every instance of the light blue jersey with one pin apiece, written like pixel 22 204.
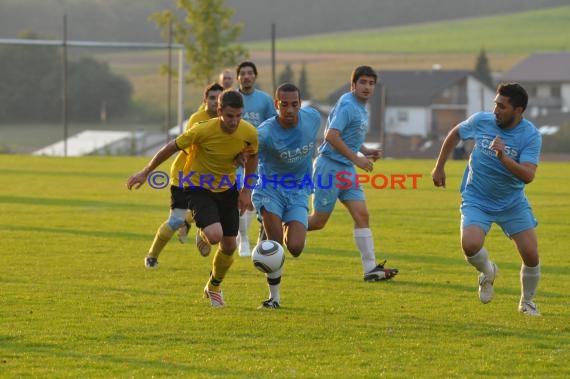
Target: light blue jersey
pixel 350 117
pixel 288 153
pixel 258 107
pixel 285 167
pixel 487 182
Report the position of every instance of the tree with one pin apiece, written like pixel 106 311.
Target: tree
pixel 31 86
pixel 304 84
pixel 286 76
pixel 482 69
pixel 207 34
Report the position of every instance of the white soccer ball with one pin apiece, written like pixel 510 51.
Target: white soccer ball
pixel 268 256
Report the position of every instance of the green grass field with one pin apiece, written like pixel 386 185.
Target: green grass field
pixel 537 30
pixel 76 301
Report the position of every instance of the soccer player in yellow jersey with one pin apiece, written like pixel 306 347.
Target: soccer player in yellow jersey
pixel 179 217
pixel 208 111
pixel 214 198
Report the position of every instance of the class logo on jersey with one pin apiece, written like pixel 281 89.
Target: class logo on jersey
pixel 486 141
pixel 295 155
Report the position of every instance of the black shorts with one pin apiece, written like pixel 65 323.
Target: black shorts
pixel 179 197
pixel 210 207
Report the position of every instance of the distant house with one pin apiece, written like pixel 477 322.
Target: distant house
pixel 410 110
pixel 546 77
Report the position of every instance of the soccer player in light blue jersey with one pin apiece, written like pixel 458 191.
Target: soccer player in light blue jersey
pixel 503 161
pixel 258 107
pixel 347 126
pixel 281 196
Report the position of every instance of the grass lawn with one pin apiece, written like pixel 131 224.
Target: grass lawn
pixel 76 301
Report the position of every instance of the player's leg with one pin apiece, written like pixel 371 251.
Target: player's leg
pixel 228 214
pixel 325 194
pixel 474 226
pixel 270 204
pixel 205 210
pixel 527 246
pixel 520 225
pixel 167 228
pixel 363 238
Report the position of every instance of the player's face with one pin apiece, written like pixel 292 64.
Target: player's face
pixel 246 78
pixel 227 79
pixel 364 87
pixel 288 105
pixel 505 115
pixel 212 102
pixel 230 118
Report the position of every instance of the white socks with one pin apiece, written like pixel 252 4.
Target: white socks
pixel 529 281
pixel 244 223
pixel 274 283
pixel 481 262
pixel 363 239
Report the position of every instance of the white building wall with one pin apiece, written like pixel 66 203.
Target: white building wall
pixel 479 96
pixel 417 122
pixel 565 96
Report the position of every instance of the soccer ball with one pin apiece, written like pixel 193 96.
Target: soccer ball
pixel 268 256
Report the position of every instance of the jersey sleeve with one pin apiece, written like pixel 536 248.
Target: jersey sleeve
pixel 468 127
pixel 531 152
pixel 340 119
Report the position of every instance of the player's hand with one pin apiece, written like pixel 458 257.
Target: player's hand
pixel 364 163
pixel 244 201
pixel 241 159
pixel 136 180
pixel 498 146
pixel 374 154
pixel 438 176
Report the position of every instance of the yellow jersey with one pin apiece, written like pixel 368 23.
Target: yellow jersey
pixel 211 164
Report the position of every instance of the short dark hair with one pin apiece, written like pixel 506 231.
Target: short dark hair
pixel 518 97
pixel 246 64
pixel 230 98
pixel 363 71
pixel 212 87
pixel 287 87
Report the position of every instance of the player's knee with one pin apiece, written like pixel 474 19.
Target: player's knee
pixel 175 221
pixel 470 247
pixel 295 249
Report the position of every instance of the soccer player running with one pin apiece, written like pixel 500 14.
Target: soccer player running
pixel 504 159
pixel 179 217
pixel 286 150
pixel 347 125
pixel 258 107
pixel 207 110
pixel 213 195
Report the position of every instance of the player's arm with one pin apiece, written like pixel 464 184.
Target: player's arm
pixel 138 179
pixel 333 137
pixel 438 172
pixel 524 171
pixel 244 199
pixel 373 154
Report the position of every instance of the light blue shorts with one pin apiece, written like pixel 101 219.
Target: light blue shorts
pixel 328 187
pixel 287 204
pixel 513 220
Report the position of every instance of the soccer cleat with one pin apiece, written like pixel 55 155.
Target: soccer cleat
pixel 486 290
pixel 528 308
pixel 150 262
pixel 216 298
pixel 203 246
pixel 183 232
pixel 380 273
pixel 269 304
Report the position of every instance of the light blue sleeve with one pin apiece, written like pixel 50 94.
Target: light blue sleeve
pixel 340 119
pixel 531 152
pixel 468 127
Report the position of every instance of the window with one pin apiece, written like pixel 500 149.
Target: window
pixel 402 115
